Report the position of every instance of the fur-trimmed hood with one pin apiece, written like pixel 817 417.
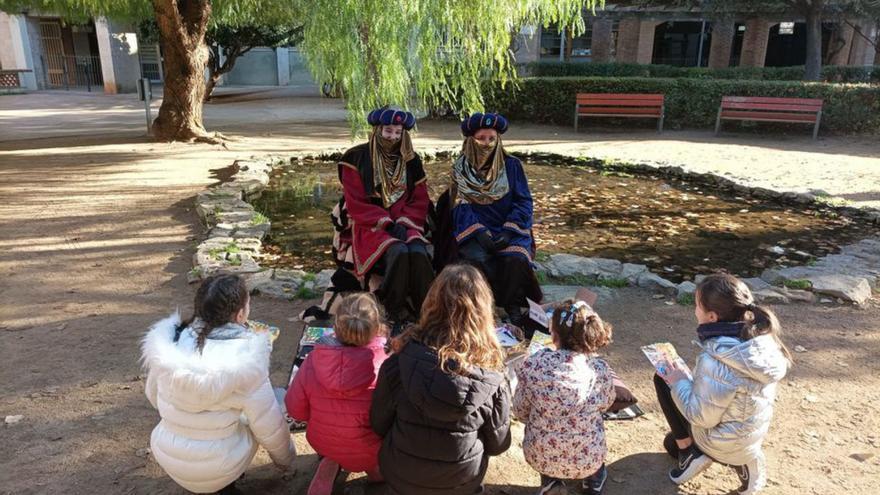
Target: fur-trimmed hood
pixel 224 366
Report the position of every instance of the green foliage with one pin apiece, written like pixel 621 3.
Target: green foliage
pixel 309 277
pixel 421 54
pixel 831 73
pixel 259 218
pixel 799 284
pixel 690 103
pixel 306 293
pixel 613 282
pixel 686 299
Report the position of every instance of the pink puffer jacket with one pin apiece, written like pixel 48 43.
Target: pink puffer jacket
pixel 332 392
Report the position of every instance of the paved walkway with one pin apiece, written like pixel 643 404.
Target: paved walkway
pixel 287 119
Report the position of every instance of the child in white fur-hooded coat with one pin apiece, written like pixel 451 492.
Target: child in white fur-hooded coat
pixel 216 405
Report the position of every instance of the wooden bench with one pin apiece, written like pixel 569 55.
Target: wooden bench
pixel 649 106
pixel 758 108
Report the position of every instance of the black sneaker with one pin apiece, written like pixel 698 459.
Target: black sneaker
pixel 553 487
pixel 691 462
pixel 595 483
pixel 752 477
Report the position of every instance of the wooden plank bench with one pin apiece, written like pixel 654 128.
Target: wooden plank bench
pixel 620 105
pixel 763 109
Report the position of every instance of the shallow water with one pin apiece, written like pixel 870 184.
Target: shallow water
pixel 676 228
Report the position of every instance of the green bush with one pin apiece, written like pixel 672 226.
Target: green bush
pixel 690 103
pixel 831 73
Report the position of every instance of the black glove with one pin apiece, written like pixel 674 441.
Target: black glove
pixel 502 240
pixel 397 231
pixel 484 239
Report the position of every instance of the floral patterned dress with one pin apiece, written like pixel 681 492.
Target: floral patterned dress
pixel 561 396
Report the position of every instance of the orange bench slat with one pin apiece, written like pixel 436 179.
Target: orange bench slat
pixel 765 99
pixel 769 106
pixel 768 116
pixel 621 96
pixel 622 103
pixel 650 112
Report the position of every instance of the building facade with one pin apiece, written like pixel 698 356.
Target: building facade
pixel 691 37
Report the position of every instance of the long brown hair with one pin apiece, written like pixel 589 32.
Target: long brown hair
pixel 358 319
pixel 217 301
pixel 458 321
pixel 731 299
pixel 579 328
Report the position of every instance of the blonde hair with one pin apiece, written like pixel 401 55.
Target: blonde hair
pixel 358 319
pixel 458 321
pixel 579 328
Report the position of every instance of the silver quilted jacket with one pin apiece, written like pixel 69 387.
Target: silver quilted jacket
pixel 730 402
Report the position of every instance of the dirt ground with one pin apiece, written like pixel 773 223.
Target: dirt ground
pixel 98 232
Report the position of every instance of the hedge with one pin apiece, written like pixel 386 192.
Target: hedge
pixel 690 103
pixel 830 73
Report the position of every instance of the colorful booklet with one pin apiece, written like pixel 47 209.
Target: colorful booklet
pixel 260 327
pixel 662 353
pixel 538 314
pixel 311 335
pixel 540 340
pixel 506 337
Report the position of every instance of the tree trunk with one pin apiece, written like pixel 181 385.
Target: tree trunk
pixel 182 25
pixel 813 65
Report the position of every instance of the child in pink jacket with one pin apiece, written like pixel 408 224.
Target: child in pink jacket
pixel 333 391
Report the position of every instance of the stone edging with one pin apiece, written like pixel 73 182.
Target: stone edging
pixel 236 230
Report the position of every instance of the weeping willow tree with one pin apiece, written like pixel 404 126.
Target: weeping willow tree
pixel 422 53
pixel 412 53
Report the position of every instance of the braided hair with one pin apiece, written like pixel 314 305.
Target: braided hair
pixel 218 300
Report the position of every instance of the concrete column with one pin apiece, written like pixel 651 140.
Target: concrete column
pixel 645 54
pixel 7 58
pixel 862 52
pixel 628 40
pixel 118 50
pixel 19 54
pixel 722 43
pixel 842 40
pixel 754 48
pixel 282 56
pixel 600 45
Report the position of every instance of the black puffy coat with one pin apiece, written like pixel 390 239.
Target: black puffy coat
pixel 438 428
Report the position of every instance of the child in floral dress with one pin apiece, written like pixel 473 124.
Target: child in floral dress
pixel 561 396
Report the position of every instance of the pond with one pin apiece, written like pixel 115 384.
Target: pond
pixel 676 228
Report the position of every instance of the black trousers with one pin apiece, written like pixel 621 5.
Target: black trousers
pixel 680 427
pixel 408 275
pixel 511 277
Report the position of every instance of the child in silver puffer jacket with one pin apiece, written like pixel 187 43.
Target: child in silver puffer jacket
pixel 723 414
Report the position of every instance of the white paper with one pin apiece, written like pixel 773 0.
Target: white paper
pixel 537 313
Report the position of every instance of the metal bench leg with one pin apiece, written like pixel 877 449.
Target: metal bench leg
pixel 718 122
pixel 816 127
pixel 662 116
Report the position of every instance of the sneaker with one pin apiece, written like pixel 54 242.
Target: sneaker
pixel 595 483
pixel 691 462
pixel 553 487
pixel 670 445
pixel 752 477
pixel 325 477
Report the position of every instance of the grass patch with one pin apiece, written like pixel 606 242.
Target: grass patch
pixel 543 278
pixel 234 260
pixel 613 282
pixel 799 284
pixel 220 253
pixel 541 256
pixel 259 218
pixel 686 300
pixel 309 277
pixel 306 293
pixel 832 201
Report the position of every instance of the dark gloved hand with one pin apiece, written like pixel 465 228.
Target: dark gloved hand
pixel 397 231
pixel 502 240
pixel 484 239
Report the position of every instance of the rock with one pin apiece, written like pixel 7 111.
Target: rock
pixel 278 289
pixel 756 283
pixel 568 265
pixel 657 283
pixel 555 293
pixel 631 272
pixel 259 278
pixel 685 292
pixel 699 278
pixel 770 296
pixel 13 419
pixel 799 348
pixel 144 452
pixel 772 276
pixel 795 295
pixel 322 279
pixel 848 288
pixel 776 250
pixel 290 276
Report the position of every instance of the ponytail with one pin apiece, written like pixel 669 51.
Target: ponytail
pixel 217 301
pixel 764 322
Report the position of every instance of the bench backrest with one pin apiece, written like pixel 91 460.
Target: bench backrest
pixel 620 103
pixel 770 105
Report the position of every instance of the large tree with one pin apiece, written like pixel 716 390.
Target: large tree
pixel 413 53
